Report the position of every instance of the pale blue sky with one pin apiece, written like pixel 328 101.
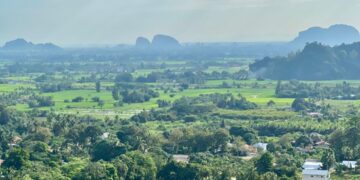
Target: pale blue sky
pixel 68 22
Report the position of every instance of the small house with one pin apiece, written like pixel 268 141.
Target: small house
pixel 349 164
pixel 314 174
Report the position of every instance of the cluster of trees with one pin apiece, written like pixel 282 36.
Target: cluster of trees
pixel 87 148
pixel 15 97
pixel 77 148
pixel 207 102
pixel 54 86
pixel 188 77
pixel 194 108
pixel 40 101
pixel 230 102
pixel 300 104
pixel 26 96
pixel 296 89
pixel 129 95
pixel 248 134
pixel 169 76
pixel 345 142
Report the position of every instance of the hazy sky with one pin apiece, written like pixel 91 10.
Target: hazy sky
pixel 67 22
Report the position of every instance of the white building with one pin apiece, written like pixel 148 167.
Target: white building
pixel 181 158
pixel 349 164
pixel 314 174
pixel 105 135
pixel 260 145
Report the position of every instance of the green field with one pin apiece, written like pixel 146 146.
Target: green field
pixel 260 92
pixel 13 87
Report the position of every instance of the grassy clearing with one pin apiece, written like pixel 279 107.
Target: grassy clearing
pixel 60 97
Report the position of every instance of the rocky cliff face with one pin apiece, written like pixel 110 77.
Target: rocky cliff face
pixel 164 42
pixel 142 42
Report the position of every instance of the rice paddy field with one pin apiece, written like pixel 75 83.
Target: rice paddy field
pixel 259 95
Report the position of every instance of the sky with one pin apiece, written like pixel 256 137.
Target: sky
pixel 81 22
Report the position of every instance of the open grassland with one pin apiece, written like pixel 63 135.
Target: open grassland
pixel 4 88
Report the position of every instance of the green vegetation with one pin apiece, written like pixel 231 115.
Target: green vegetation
pixel 113 120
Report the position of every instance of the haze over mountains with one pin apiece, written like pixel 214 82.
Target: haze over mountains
pixel 168 47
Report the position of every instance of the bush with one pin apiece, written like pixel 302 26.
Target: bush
pixel 78 99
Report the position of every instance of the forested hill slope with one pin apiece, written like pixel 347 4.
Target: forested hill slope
pixel 314 62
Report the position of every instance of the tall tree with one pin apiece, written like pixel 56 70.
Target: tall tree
pixel 17 158
pixel 265 163
pixel 98 86
pixel 328 159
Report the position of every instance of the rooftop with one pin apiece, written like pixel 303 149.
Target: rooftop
pixel 315 172
pixel 312 165
pixel 349 164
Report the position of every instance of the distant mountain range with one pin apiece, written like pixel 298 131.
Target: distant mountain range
pixel 334 35
pixel 167 47
pixel 23 45
pixel 159 41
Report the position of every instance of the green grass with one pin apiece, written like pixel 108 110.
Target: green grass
pixel 260 96
pixel 59 98
pixel 19 78
pixel 145 72
pixel 345 176
pixel 13 87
